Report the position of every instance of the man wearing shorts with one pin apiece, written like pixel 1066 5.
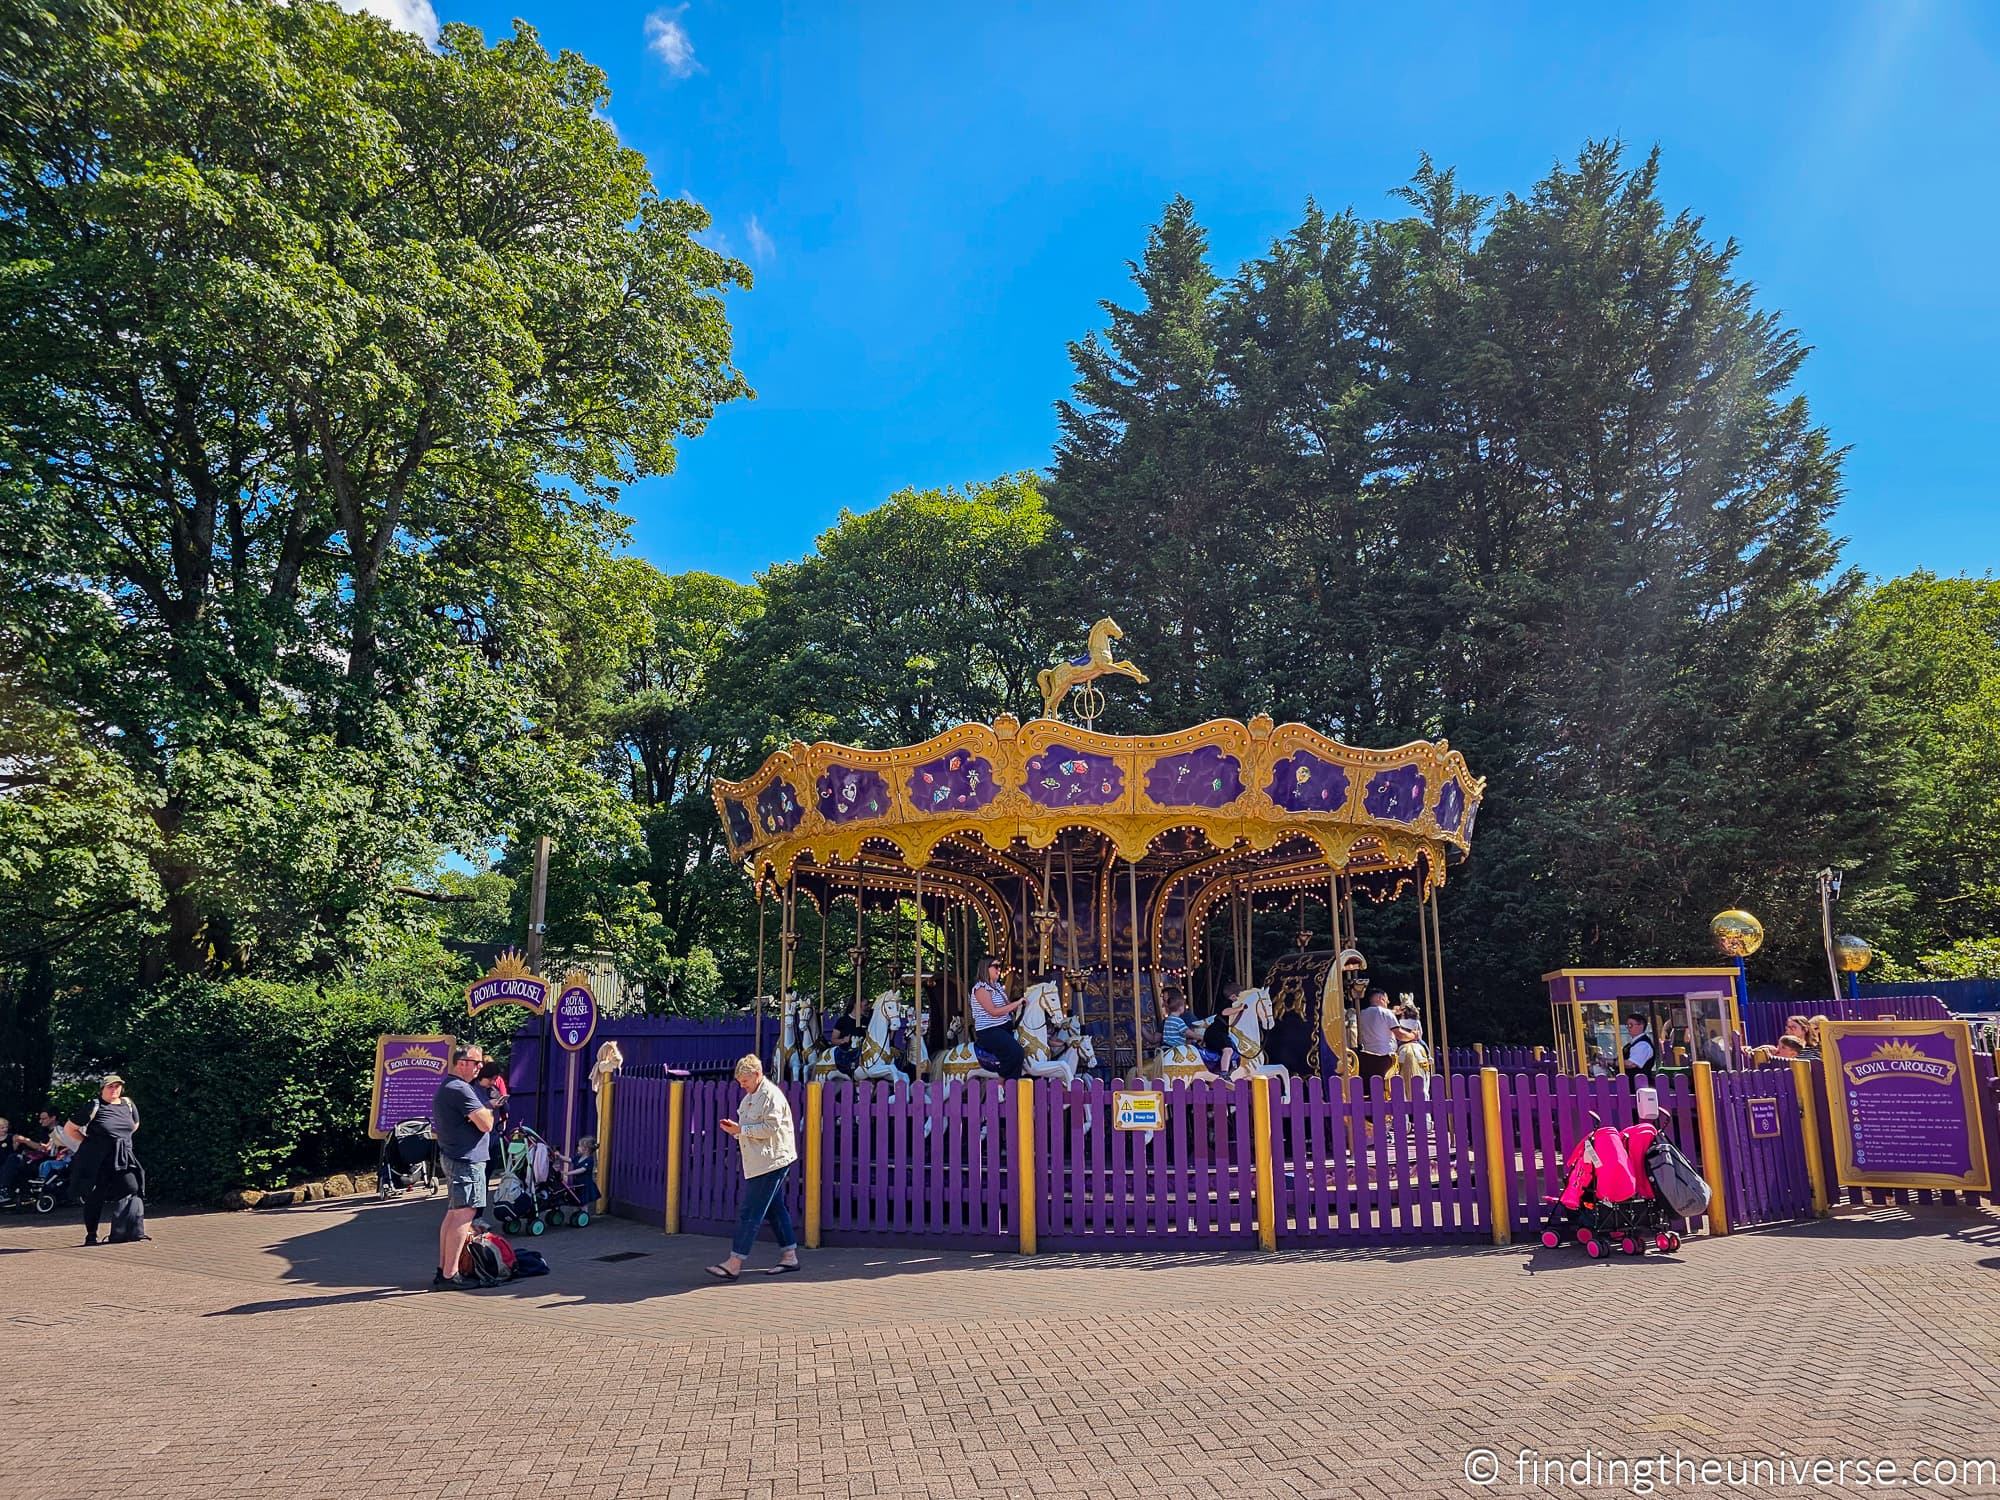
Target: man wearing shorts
pixel 461 1119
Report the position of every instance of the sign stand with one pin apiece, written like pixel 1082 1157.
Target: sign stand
pixel 575 1017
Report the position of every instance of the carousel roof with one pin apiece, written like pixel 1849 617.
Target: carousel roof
pixel 966 797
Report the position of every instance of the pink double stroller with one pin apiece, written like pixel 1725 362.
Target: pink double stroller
pixel 1608 1200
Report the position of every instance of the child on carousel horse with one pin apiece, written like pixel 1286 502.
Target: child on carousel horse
pixel 848 1031
pixel 1178 1030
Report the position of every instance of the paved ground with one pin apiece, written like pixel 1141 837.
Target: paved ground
pixel 286 1354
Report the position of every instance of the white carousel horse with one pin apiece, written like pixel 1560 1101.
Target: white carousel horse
pixel 798 1040
pixel 1249 1017
pixel 1053 1044
pixel 960 1060
pixel 892 1038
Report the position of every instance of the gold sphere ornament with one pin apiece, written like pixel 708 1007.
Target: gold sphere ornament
pixel 1851 954
pixel 1737 934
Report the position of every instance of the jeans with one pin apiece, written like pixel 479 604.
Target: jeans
pixel 999 1040
pixel 764 1198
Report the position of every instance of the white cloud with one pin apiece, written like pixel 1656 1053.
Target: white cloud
pixel 761 245
pixel 410 15
pixel 668 40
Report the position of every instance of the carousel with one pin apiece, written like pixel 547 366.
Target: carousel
pixel 1115 878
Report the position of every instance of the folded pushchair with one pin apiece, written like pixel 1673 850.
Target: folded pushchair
pixel 1607 1202
pixel 410 1161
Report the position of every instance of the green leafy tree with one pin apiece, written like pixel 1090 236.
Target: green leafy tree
pixel 1935 646
pixel 931 609
pixel 1528 474
pixel 326 353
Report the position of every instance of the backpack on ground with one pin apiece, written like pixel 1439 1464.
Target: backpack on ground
pixel 529 1263
pixel 484 1262
pixel 1676 1180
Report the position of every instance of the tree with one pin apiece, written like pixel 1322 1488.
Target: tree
pixel 1935 645
pixel 673 717
pixel 327 352
pixel 1530 475
pixel 931 609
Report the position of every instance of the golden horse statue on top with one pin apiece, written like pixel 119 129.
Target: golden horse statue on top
pixel 1079 670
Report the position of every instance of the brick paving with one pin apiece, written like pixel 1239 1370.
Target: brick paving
pixel 289 1354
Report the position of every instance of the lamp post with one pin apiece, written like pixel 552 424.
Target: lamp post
pixel 1737 935
pixel 1851 955
pixel 1829 892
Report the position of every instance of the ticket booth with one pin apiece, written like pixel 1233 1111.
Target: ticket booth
pixel 1681 1009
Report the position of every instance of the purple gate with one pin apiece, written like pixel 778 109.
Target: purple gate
pixel 926 1164
pixel 1381 1164
pixel 1762 1130
pixel 1098 1187
pixel 712 1163
pixel 637 1184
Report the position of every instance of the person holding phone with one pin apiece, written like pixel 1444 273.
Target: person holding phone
pixel 763 1128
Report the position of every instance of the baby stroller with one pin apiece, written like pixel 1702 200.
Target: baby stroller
pixel 43 1194
pixel 1607 1202
pixel 517 1202
pixel 409 1161
pixel 570 1195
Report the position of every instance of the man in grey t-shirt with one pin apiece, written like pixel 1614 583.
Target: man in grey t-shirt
pixel 1376 1034
pixel 461 1119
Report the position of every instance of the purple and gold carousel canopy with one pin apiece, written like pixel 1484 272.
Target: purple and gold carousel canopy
pixel 1255 785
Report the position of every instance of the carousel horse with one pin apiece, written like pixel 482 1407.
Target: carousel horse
pixel 1183 1064
pixel 798 1040
pixel 1250 1018
pixel 1054 1044
pixel 1094 663
pixel 886 1042
pixel 963 1060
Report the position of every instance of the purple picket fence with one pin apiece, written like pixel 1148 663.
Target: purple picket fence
pixel 712 1163
pixel 1545 1116
pixel 1761 1127
pixel 1508 1059
pixel 637 1184
pixel 928 1164
pixel 1378 1165
pixel 1099 1187
pixel 1764 1020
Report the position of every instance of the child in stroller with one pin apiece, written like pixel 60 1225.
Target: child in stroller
pixel 570 1194
pixel 1607 1201
pixel 409 1161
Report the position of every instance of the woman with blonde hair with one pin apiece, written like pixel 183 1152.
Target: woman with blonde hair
pixel 763 1128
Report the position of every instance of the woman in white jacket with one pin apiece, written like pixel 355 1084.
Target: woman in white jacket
pixel 763 1128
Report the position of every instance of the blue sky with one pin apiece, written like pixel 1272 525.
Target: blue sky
pixel 934 198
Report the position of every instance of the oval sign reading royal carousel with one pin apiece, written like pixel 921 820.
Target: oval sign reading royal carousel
pixel 508 982
pixel 576 1014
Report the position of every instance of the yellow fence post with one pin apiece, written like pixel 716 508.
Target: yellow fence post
pixel 1024 1167
pixel 1809 1123
pixel 604 1142
pixel 1479 1055
pixel 1541 1053
pixel 1267 1188
pixel 1711 1147
pixel 815 1144
pixel 676 1099
pixel 1498 1209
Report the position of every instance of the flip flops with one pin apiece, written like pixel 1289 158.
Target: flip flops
pixel 781 1269
pixel 722 1273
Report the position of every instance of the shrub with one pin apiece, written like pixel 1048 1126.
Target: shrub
pixel 254 1083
